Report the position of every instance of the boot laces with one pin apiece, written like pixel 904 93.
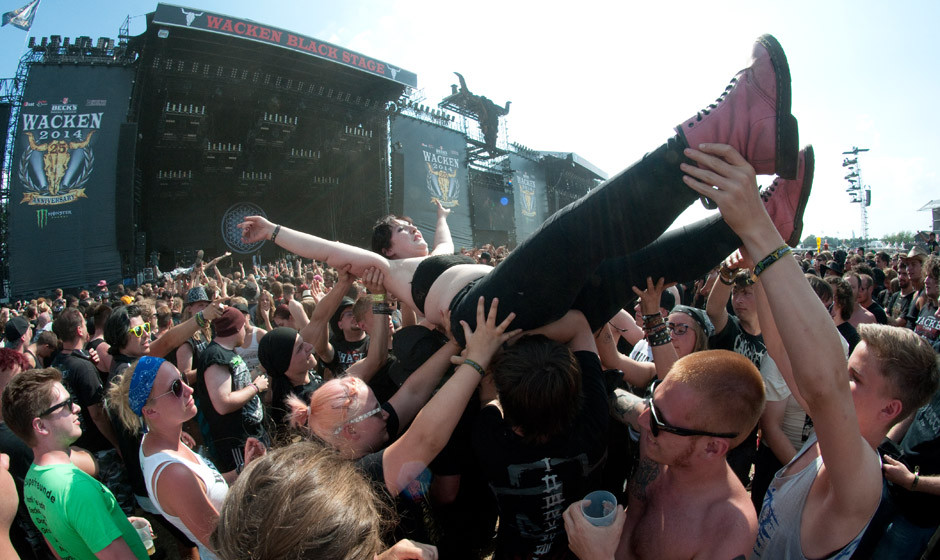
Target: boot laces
pixel 712 106
pixel 767 192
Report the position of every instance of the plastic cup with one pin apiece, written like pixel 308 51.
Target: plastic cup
pixel 143 531
pixel 602 508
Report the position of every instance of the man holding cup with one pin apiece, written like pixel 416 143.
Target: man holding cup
pixel 683 500
pixel 77 515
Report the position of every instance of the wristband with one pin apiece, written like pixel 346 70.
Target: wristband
pixel 256 387
pixel 725 282
pixel 377 298
pixel 475 366
pixel 201 319
pixel 916 477
pixel 277 230
pixel 770 259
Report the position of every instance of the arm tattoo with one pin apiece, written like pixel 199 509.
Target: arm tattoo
pixel 646 473
pixel 626 407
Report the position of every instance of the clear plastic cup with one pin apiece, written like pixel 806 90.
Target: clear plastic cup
pixel 602 508
pixel 144 532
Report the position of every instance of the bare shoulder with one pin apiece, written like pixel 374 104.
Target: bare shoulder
pixel 730 528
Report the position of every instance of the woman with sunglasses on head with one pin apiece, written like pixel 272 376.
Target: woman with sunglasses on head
pixel 183 486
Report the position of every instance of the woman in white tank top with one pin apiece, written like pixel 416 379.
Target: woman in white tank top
pixel 185 488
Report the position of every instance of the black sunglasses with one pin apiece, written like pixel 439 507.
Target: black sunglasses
pixel 67 403
pixel 176 388
pixel 656 424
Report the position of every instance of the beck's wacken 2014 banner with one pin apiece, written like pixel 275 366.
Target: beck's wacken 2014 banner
pixel 62 196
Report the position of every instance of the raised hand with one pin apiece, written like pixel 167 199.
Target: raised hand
pixel 256 228
pixel 649 298
pixel 488 336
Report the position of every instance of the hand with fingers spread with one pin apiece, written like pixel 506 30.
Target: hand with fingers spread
pixel 724 176
pixel 650 297
pixel 488 336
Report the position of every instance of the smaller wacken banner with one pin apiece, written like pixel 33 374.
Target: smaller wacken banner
pixel 435 170
pixel 62 217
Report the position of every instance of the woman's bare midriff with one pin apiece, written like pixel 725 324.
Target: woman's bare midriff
pixel 447 285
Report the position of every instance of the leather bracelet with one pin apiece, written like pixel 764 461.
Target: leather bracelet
pixel 475 366
pixel 770 259
pixel 277 230
pixel 725 282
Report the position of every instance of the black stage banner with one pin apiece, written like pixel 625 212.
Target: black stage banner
pixel 528 186
pixel 435 169
pixel 167 14
pixel 62 194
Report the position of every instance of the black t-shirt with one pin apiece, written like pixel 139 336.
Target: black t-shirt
pixel 534 483
pixel 280 388
pixel 228 431
pixel 880 316
pixel 921 448
pixel 733 337
pixel 850 335
pixel 346 353
pixel 928 325
pixel 898 306
pixel 80 378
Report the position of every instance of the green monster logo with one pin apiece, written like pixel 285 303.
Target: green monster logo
pixel 42 218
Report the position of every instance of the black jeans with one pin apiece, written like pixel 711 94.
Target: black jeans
pixel 589 254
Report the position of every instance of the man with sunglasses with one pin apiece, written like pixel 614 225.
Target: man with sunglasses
pixel 77 515
pixel 684 501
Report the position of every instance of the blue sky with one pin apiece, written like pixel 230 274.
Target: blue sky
pixel 609 80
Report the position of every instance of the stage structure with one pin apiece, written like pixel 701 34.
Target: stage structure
pixel 121 157
pixel 237 117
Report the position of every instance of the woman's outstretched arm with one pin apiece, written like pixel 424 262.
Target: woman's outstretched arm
pixel 334 253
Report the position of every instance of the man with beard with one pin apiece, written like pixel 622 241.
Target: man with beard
pixel 900 302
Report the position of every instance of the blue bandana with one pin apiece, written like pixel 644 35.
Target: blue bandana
pixel 145 372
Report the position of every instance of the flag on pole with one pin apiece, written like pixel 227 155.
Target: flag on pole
pixel 23 17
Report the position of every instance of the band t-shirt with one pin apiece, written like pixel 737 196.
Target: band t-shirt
pixel 535 483
pixel 346 353
pixel 228 431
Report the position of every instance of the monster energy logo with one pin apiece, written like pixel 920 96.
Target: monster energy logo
pixel 42 218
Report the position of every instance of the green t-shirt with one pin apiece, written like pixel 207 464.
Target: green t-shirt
pixel 76 513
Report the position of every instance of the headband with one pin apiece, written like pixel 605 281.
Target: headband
pixel 698 316
pixel 145 372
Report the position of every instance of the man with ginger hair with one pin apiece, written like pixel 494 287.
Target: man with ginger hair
pixel 684 500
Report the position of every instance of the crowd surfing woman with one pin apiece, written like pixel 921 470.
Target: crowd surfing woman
pixel 185 488
pixel 605 239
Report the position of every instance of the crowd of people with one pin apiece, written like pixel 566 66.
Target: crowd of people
pixel 737 399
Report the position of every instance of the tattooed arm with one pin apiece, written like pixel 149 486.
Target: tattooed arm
pixel 626 407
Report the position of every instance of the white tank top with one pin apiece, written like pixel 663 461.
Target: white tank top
pixel 250 354
pixel 216 487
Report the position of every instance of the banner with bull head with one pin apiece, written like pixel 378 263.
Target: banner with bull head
pixel 62 195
